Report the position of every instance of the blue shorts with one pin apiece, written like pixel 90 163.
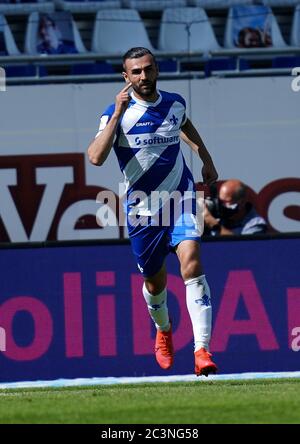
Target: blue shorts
pixel 151 243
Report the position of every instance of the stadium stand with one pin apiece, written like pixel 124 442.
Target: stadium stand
pixel 291 61
pixel 25 7
pixel 295 29
pixel 186 29
pixel 111 34
pixel 8 48
pixel 8 45
pixel 216 4
pixel 38 40
pixel 87 6
pixel 153 5
pixel 36 43
pixel 252 26
pixel 282 3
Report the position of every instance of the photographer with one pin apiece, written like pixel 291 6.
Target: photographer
pixel 229 212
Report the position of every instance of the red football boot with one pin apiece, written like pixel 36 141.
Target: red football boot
pixel 203 363
pixel 164 351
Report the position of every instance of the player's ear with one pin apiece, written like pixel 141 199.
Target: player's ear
pixel 125 77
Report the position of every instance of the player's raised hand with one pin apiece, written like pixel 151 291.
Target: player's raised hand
pixel 122 100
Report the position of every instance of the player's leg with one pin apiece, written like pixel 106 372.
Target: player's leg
pixel 197 295
pixel 150 247
pixel 155 294
pixel 197 292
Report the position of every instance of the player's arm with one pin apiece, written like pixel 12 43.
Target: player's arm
pixel 190 136
pixel 100 147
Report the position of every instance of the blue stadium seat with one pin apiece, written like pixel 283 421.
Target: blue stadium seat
pixel 26 7
pixel 117 30
pixel 66 35
pixel 8 47
pixel 252 26
pixel 295 29
pixel 186 29
pixel 7 41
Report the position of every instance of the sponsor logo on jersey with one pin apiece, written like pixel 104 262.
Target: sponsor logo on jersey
pixel 144 124
pixel 156 140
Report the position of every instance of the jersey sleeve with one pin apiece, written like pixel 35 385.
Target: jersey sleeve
pixel 184 117
pixel 105 118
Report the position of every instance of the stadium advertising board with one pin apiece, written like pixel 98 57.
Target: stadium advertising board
pixel 78 311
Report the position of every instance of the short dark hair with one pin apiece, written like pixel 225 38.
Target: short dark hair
pixel 136 53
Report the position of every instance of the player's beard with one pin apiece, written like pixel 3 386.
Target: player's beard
pixel 146 89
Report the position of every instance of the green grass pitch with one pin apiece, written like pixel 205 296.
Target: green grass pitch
pixel 265 401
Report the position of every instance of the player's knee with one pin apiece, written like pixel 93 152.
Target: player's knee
pixel 154 288
pixel 191 269
pixel 157 283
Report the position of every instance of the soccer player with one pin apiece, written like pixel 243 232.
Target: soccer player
pixel 144 128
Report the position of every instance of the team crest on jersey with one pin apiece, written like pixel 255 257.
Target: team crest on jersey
pixel 174 120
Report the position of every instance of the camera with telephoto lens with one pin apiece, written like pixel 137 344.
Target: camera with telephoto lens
pixel 225 214
pixel 212 202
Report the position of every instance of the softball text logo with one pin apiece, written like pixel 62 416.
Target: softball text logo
pixel 2 79
pixel 296 81
pixel 2 340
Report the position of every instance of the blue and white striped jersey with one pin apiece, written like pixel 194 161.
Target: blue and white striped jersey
pixel 147 146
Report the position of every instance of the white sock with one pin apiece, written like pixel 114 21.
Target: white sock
pixel 199 308
pixel 157 308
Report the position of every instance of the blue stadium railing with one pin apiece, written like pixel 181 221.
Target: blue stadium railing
pixel 237 61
